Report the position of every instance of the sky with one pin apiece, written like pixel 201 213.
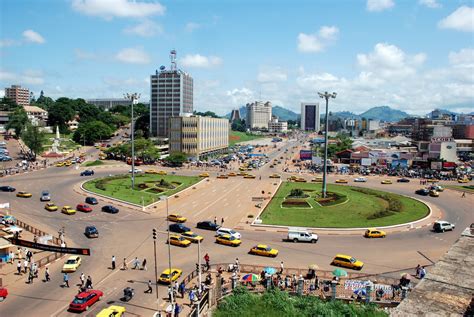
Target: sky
pixel 412 55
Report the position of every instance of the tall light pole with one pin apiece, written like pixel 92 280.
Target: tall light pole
pixel 199 277
pixel 326 96
pixel 156 271
pixel 169 251
pixel 133 97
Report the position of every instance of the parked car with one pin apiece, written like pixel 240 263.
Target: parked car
pixel 45 196
pixel 178 228
pixel 91 201
pixel 110 209
pixel 231 232
pixel 84 300
pixel 442 226
pixel 87 173
pixel 91 232
pixel 207 225
pixel 7 189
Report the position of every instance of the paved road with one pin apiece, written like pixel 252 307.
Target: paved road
pixel 128 234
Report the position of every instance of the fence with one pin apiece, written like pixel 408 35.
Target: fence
pixel 36 231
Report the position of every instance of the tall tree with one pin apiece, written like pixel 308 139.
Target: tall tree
pixel 60 113
pixel 17 121
pixel 34 139
pixel 88 112
pixel 91 132
pixel 7 104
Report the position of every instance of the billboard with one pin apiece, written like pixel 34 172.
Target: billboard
pixel 306 155
pixel 365 162
pixel 50 248
pixel 400 163
pixel 436 165
pixel 317 160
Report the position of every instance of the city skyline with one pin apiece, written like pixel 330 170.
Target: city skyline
pixel 412 56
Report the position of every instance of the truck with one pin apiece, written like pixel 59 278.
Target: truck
pixel 301 235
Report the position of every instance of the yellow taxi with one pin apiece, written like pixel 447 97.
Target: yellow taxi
pixel 102 156
pixel 249 176
pixel 72 263
pixel 112 311
pixel 176 218
pixel 179 241
pixel 386 182
pixel 374 233
pixel 232 174
pixel 51 207
pixel 227 239
pixel 292 178
pixel 167 278
pixel 59 164
pixel 68 163
pixel 242 173
pixel 162 173
pixel 222 176
pixel 434 180
pixel 434 193
pixel 191 236
pixel 317 180
pixel 347 261
pixel 275 176
pixel 24 194
pixel 151 172
pixel 242 169
pixel 68 210
pixel 300 180
pixel 463 180
pixel 264 250
pixel 341 181
pixel 204 175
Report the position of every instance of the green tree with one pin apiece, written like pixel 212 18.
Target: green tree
pixel 91 132
pixel 343 143
pixel 206 114
pixel 6 104
pixel 60 113
pixel 176 159
pixel 88 112
pixel 143 124
pixel 43 102
pixel 17 121
pixel 238 125
pixel 34 139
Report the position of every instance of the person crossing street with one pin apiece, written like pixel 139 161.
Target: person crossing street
pixel 113 262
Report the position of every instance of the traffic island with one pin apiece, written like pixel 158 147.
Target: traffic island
pixel 301 205
pixel 148 187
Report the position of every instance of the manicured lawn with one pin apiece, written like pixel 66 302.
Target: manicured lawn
pixel 354 213
pixel 237 137
pixel 121 188
pixel 94 163
pixel 66 143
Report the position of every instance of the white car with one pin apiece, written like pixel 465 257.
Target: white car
pixel 137 171
pixel 442 226
pixel 231 232
pixel 360 180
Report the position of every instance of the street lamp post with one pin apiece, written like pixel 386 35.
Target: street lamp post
pixel 199 277
pixel 326 96
pixel 134 99
pixel 169 252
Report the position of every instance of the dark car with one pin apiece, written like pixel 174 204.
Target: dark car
pixel 110 209
pixel 91 232
pixel 422 192
pixel 91 201
pixel 87 173
pixel 7 189
pixel 403 180
pixel 178 228
pixel 207 225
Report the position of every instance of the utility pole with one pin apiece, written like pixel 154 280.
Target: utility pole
pixel 199 276
pixel 156 272
pixel 326 96
pixel 169 251
pixel 134 99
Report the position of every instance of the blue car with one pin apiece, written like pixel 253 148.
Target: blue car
pixel 110 209
pixel 91 232
pixel 178 228
pixel 91 201
pixel 87 173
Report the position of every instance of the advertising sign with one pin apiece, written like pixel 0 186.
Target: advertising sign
pixel 436 166
pixel 441 139
pixel 317 160
pixel 400 163
pixel 306 155
pixel 51 248
pixel 365 162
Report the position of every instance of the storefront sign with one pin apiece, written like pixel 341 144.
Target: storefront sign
pixel 441 139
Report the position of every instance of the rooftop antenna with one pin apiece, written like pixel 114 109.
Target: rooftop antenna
pixel 173 60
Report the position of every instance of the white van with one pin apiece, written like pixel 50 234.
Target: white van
pixel 301 235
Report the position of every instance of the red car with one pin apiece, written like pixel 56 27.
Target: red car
pixel 83 207
pixel 84 300
pixel 3 294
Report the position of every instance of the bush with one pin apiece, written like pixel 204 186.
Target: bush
pixel 293 202
pixel 380 214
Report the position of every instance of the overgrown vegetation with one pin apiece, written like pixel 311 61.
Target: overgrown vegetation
pixel 394 203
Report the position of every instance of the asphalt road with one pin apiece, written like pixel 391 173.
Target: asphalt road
pixel 128 234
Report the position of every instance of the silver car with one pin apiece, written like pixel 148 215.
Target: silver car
pixel 45 196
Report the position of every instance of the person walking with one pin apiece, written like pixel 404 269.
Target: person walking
pixel 177 309
pixel 25 265
pixel 215 220
pixel 89 282
pixel 46 275
pixel 18 267
pixel 83 279
pixel 237 264
pixel 149 289
pixel 144 265
pixel 113 262
pixel 207 260
pixel 170 292
pixel 281 267
pixel 136 263
pixel 182 289
pixel 463 195
pixel 192 297
pixel 11 257
pixel 124 265
pixel 66 280
pixel 30 277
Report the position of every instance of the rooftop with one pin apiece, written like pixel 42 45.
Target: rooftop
pixel 33 109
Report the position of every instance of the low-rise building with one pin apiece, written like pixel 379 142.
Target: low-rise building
pixel 36 115
pixel 198 136
pixel 277 126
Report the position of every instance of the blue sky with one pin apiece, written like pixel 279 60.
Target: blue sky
pixel 411 55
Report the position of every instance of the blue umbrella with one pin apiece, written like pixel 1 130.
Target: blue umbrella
pixel 270 270
pixel 360 292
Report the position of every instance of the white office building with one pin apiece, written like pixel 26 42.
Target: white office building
pixel 310 116
pixel 258 115
pixel 277 126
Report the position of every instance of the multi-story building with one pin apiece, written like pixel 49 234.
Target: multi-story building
pixel 107 103
pixel 277 126
pixel 310 116
pixel 258 115
pixel 171 96
pixel 198 136
pixel 235 115
pixel 21 96
pixel 37 116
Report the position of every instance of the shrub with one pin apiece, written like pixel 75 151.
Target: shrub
pixel 142 186
pixel 297 192
pixel 292 202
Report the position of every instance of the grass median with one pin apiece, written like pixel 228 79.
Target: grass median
pixel 363 208
pixel 148 187
pixel 238 137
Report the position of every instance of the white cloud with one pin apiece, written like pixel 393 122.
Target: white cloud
pixel 146 28
pixel 109 9
pixel 200 61
pixel 463 57
pixel 33 37
pixel 461 20
pixel 133 56
pixel 314 43
pixel 191 26
pixel 268 75
pixel 239 97
pixel 433 4
pixel 27 77
pixel 379 5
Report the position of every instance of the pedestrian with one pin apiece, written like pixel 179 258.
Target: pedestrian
pixel 113 262
pixel 237 267
pixel 422 272
pixel 207 259
pixel 144 265
pixel 182 289
pixel 170 292
pixel 66 280
pixel 35 239
pixel 215 220
pixel 463 195
pixel 18 267
pixel 281 267
pixel 136 263
pixel 89 282
pixel 25 265
pixel 417 271
pixel 11 257
pixel 46 275
pixel 191 298
pixel 124 265
pixel 149 289
pixel 177 309
pixel 83 279
pixel 30 277
pixel 175 288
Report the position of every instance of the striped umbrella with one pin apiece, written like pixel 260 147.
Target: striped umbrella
pixel 251 278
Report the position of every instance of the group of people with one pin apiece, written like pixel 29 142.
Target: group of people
pixel 136 264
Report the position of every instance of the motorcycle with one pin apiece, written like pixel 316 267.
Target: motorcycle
pixel 128 294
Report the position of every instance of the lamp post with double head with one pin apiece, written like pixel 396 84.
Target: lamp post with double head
pixel 326 96
pixel 165 198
